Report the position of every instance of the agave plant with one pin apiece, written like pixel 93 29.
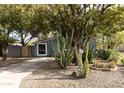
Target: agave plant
pixel 65 50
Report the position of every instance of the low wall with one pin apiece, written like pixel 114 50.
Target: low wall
pixel 20 51
pixel 14 51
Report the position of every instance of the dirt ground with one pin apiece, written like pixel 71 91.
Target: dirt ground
pixel 10 61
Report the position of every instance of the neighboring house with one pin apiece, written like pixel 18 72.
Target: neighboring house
pixel 39 48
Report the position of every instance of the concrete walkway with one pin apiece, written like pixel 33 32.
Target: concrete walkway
pixel 11 76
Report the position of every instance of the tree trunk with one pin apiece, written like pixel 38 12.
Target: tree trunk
pixel 4 50
pixel 22 38
pixel 78 54
pixel 22 42
pixel 83 64
pixel 0 48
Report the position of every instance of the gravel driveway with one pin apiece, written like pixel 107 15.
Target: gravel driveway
pixel 50 76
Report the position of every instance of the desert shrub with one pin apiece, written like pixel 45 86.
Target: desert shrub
pixel 104 53
pixel 92 54
pixel 120 58
pixel 122 61
pixel 117 56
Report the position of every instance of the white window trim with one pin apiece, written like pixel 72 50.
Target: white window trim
pixel 45 49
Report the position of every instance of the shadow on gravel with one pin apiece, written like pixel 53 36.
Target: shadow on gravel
pixel 52 71
pixel 68 77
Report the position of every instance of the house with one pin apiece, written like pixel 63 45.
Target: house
pixel 44 47
pixel 38 48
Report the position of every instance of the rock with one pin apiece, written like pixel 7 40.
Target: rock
pixel 104 68
pixel 114 69
pixel 74 74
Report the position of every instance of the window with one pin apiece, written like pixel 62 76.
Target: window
pixel 42 49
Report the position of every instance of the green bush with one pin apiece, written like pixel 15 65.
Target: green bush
pixel 104 53
pixel 117 56
pixel 122 61
pixel 92 54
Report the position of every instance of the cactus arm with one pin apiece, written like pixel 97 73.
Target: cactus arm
pixel 58 44
pixel 86 65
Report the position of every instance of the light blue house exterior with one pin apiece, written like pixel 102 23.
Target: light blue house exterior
pixel 40 48
pixel 44 47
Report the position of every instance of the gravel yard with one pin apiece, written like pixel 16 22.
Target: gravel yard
pixel 50 76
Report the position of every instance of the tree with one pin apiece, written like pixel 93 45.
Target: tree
pixel 21 22
pixel 40 21
pixel 5 29
pixel 86 20
pixel 29 21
